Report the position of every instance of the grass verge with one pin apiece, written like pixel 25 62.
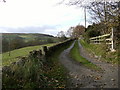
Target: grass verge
pixel 100 50
pixel 75 55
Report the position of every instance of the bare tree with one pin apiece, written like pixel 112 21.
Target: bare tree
pixel 75 32
pixel 104 11
pixel 61 34
pixel 70 31
pixel 4 0
pixel 78 30
pixel 78 3
pixel 100 11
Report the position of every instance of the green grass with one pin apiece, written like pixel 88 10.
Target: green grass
pixel 75 55
pixel 6 59
pixel 28 37
pixel 100 50
pixel 94 48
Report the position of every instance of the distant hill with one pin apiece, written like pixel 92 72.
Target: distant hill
pixel 27 36
pixel 19 40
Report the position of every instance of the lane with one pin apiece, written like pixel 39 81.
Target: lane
pixel 110 71
pixel 80 75
pixel 83 77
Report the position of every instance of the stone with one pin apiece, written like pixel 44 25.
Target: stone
pixel 91 76
pixel 56 80
pixel 81 84
pixel 95 81
pixel 6 68
pixel 105 83
pixel 13 63
pixel 97 78
pixel 75 76
pixel 21 62
pixel 113 84
pixel 96 56
pixel 112 79
pixel 40 52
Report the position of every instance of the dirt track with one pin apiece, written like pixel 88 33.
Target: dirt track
pixel 84 77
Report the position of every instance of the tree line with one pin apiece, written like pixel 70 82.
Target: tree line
pixel 105 15
pixel 72 32
pixel 15 42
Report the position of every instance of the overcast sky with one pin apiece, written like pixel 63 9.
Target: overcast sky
pixel 38 16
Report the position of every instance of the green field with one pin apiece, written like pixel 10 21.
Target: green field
pixel 12 41
pixel 27 37
pixel 75 55
pixel 32 37
pixel 15 54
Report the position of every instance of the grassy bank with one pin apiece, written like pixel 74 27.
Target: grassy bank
pixel 30 75
pixel 15 54
pixel 101 50
pixel 75 54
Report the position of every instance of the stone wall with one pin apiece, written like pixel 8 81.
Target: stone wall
pixel 49 51
pixel 39 54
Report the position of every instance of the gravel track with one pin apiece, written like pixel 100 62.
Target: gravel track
pixel 83 77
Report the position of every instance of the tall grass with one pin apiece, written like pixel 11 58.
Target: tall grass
pixel 28 76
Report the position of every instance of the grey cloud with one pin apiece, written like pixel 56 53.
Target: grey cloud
pixel 31 29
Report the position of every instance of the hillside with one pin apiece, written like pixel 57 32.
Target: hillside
pixel 11 41
pixel 26 36
pixel 18 53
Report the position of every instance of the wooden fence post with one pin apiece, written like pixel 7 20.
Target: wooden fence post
pixel 112 36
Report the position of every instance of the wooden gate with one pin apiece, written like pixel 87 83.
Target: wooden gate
pixel 107 38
